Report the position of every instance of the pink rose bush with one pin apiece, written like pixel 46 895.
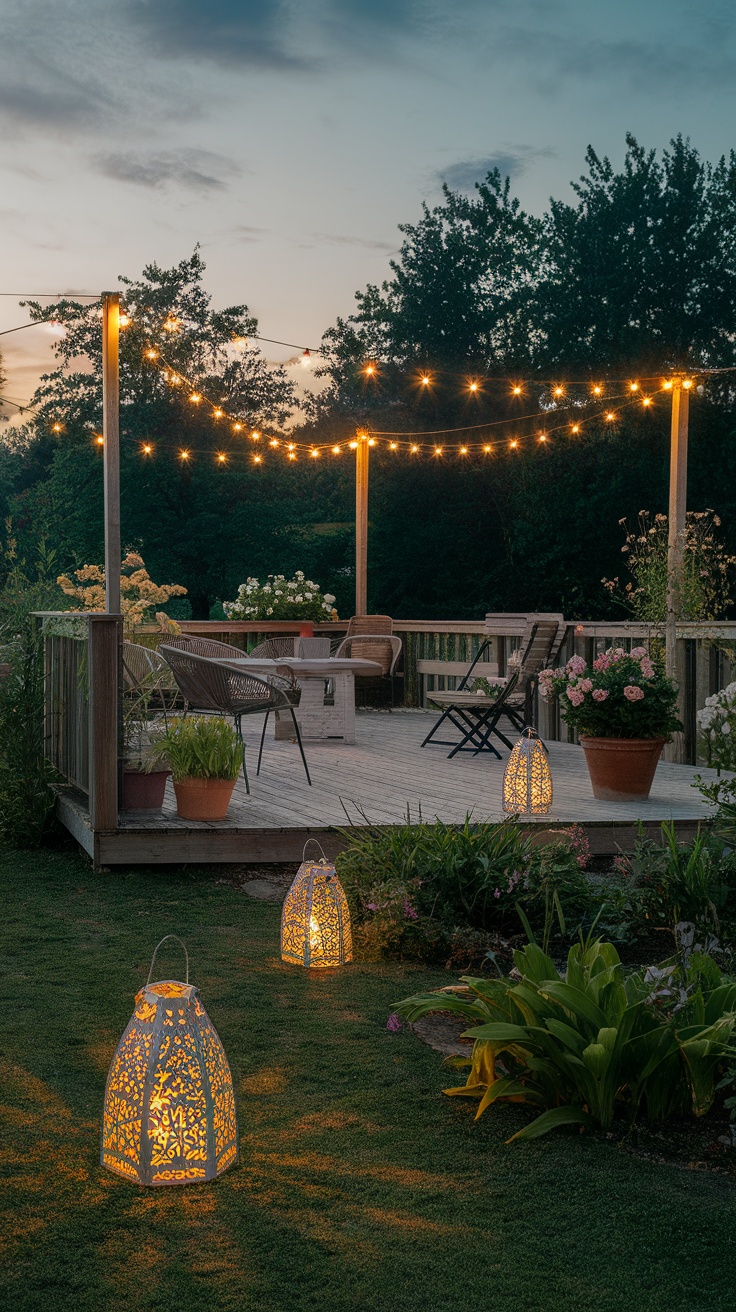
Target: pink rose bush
pixel 620 695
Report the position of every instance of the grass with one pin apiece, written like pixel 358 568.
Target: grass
pixel 358 1185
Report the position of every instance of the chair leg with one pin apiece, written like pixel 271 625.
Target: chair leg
pixel 239 732
pixel 263 739
pixel 299 740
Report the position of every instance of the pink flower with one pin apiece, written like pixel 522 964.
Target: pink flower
pixel 600 694
pixel 496 892
pixel 601 663
pixel 585 685
pixel 393 1024
pixel 576 665
pixel 632 693
pixel 577 698
pixel 638 652
pixel 647 668
pixel 409 911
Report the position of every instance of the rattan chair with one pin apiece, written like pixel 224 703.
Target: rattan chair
pixel 272 649
pixel 147 676
pixel 371 638
pixel 211 686
pixel 202 646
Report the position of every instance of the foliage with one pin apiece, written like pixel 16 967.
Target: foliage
pixel 412 886
pixel 138 593
pixel 717 723
pixel 578 1046
pixel 26 797
pixel 199 747
pixel 281 599
pixel 669 882
pixel 26 584
pixel 706 588
pixel 619 696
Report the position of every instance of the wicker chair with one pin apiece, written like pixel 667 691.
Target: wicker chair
pixel 213 687
pixel 272 649
pixel 202 646
pixel 371 638
pixel 147 676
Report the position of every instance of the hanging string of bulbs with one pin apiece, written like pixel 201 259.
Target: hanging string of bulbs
pixel 567 399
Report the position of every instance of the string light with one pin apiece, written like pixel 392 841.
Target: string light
pixel 516 391
pixel 100 440
pixel 392 446
pixel 147 449
pixel 183 455
pixel 274 441
pixel 369 370
pixel 575 428
pixel 426 380
pixel 438 450
pixel 124 320
pixel 257 460
pixel 633 387
pixel 256 435
pixel 371 441
pixel 353 446
pixel 335 450
pixel 151 354
pixel 487 450
pixel 473 387
pixel 195 398
pixel 414 450
pixel 292 455
pixel 687 383
pixel 513 444
pixel 222 458
pixel 217 414
pixel 463 450
pixel 306 359
pixel 314 453
pixel 56 428
pixel 543 437
pixel 610 416
pixel 667 385
pixel 171 323
pixel 647 400
pixel 597 390
pixel 237 428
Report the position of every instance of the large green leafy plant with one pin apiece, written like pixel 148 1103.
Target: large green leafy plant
pixel 620 695
pixel 580 1046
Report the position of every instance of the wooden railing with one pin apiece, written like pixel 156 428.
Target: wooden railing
pixel 82 678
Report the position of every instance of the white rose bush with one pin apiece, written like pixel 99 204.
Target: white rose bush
pixel 280 598
pixel 717 723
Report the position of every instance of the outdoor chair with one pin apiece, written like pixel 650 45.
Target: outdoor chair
pixel 371 638
pixel 202 646
pixel 147 676
pixel 476 716
pixel 272 649
pixel 213 687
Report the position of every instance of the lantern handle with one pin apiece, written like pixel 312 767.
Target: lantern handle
pixel 155 950
pixel 323 858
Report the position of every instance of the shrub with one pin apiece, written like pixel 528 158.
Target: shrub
pixel 578 1047
pixel 419 883
pixel 665 883
pixel 26 798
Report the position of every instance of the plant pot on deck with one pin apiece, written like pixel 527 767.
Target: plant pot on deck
pixel 203 799
pixel 144 790
pixel 622 769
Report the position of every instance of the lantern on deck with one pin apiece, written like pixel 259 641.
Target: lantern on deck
pixel 527 779
pixel 315 920
pixel 169 1115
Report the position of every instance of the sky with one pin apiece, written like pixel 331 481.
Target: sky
pixel 291 138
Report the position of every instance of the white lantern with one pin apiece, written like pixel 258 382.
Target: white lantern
pixel 315 920
pixel 169 1114
pixel 527 779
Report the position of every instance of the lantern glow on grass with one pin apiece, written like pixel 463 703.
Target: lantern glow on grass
pixel 527 779
pixel 169 1115
pixel 315 920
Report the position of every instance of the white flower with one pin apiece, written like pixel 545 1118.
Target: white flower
pixel 329 598
pixel 725 727
pixel 299 597
pixel 269 610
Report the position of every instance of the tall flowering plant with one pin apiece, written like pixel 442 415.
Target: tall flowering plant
pixel 280 598
pixel 621 695
pixel 717 723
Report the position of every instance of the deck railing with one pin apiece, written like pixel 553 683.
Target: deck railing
pixel 83 684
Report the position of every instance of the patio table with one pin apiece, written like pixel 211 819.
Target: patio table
pixel 327 705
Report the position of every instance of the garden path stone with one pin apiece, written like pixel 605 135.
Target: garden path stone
pixel 442 1031
pixel 264 890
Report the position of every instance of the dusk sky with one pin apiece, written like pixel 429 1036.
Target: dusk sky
pixel 290 139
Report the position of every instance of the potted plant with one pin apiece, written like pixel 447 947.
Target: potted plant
pixel 205 755
pixel 145 768
pixel 624 709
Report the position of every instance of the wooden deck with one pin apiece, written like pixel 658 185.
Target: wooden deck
pixel 376 780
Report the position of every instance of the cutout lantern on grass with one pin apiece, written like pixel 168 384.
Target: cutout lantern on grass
pixel 169 1114
pixel 315 920
pixel 527 779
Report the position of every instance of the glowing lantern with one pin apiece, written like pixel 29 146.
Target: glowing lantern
pixel 315 920
pixel 169 1114
pixel 527 779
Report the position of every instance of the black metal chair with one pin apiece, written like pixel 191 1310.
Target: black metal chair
pixel 474 715
pixel 211 686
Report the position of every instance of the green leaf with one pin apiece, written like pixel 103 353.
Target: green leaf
pixel 552 1120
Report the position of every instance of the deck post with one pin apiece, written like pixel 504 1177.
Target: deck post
pixel 111 435
pixel 104 714
pixel 362 451
pixel 674 658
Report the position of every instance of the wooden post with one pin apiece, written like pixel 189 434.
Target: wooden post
pixel 103 661
pixel 362 451
pixel 111 434
pixel 675 545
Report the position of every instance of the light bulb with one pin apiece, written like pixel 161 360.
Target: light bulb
pixel 237 428
pixel 256 460
pixel 687 383
pixel 56 428
pixel 438 450
pixel 353 446
pixel 597 391
pixel 314 453
pixel 576 428
pixel 559 391
pixel 292 455
pixel 543 437
pixel 610 416
pixel 256 435
pixel 195 398
pixel 273 442
pixel 633 387
pixel 305 360
pixel 369 370
pixel 425 380
pixel 517 391
pixel 335 450
pixel 147 450
pixel 218 413
pixel 513 444
pixel 171 323
pixel 463 450
pixel 392 446
pixel 183 455
pixel 124 319
pixel 371 441
pixel 647 400
pixel 473 387
pixel 414 450
pixel 667 386
pixel 221 457
pixel 487 450
pixel 151 354
pixel 100 440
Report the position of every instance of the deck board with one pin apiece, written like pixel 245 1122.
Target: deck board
pixel 378 779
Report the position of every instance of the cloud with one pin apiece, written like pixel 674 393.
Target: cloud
pixel 241 32
pixel 335 239
pixel 511 162
pixel 197 170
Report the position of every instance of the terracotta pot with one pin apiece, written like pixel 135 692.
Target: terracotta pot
pixel 144 792
pixel 203 799
pixel 622 769
pixel 306 628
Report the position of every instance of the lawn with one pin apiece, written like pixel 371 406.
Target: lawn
pixel 359 1186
